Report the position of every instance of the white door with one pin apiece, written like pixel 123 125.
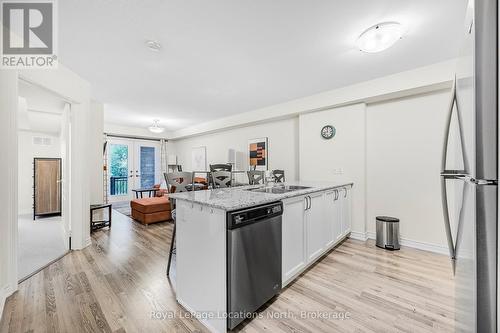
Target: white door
pixel 66 173
pixel 120 169
pixel 147 168
pixel 132 164
pixel 293 241
pixel 316 227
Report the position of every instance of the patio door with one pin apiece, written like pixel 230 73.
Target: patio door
pixel 132 164
pixel 147 171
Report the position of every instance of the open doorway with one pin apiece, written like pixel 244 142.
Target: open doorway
pixel 43 151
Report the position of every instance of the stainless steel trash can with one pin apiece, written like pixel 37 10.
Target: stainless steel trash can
pixel 387 232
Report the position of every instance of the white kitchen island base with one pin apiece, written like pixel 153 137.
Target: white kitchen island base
pixel 201 263
pixel 314 221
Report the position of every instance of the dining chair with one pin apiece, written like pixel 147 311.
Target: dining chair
pixel 176 182
pixel 221 167
pixel 279 176
pixel 179 181
pixel 221 179
pixel 255 177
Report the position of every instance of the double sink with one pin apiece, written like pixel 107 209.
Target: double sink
pixel 278 189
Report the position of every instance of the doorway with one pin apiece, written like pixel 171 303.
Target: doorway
pixel 132 164
pixel 43 134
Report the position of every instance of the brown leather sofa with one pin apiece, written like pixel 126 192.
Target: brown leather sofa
pixel 151 210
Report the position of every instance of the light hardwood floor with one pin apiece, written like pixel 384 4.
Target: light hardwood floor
pixel 113 285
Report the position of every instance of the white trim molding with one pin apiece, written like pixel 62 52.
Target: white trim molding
pixel 88 242
pixel 362 236
pixel 435 248
pixel 5 292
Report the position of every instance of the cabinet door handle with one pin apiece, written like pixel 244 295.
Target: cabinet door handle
pixel 345 193
pixel 310 203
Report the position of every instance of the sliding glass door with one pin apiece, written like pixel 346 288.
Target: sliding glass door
pixel 132 164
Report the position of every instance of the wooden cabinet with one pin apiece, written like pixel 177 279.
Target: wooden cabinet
pixel 316 226
pixel 293 240
pixel 312 225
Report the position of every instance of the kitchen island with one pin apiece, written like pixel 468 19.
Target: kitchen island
pixel 316 217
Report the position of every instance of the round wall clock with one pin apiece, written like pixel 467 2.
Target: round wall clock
pixel 328 132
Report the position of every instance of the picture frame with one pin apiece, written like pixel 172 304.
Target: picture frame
pixel 258 158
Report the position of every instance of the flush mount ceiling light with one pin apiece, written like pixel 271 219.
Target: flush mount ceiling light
pixel 153 45
pixel 155 128
pixel 380 37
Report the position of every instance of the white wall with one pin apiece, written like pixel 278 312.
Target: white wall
pixel 283 146
pixel 8 182
pixel 340 158
pixel 28 151
pixel 74 89
pixel 404 146
pixel 407 83
pixel 70 87
pixel 391 150
pixel 96 140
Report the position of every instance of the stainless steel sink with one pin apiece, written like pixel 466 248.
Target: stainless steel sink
pixel 278 189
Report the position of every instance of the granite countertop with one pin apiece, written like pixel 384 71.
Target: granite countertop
pixel 239 197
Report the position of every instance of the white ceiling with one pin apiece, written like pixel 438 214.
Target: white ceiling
pixel 222 57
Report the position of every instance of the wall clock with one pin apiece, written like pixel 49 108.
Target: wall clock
pixel 328 132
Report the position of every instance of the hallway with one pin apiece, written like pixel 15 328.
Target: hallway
pixel 40 242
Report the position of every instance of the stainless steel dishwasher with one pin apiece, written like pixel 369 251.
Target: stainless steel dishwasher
pixel 253 259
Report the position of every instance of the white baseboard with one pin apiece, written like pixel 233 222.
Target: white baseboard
pixel 88 242
pixel 4 293
pixel 202 320
pixel 417 244
pixel 362 236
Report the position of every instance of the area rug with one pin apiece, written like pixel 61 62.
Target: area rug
pixel 122 207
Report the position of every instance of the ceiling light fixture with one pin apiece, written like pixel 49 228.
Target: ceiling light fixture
pixel 153 45
pixel 380 37
pixel 155 128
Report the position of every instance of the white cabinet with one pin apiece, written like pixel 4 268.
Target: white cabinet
pixel 345 199
pixel 311 225
pixel 333 217
pixel 316 227
pixel 293 240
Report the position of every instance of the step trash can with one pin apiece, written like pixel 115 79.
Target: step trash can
pixel 387 236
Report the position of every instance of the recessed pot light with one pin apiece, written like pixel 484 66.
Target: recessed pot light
pixel 153 45
pixel 380 37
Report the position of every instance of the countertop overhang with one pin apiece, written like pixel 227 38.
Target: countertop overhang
pixel 234 198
